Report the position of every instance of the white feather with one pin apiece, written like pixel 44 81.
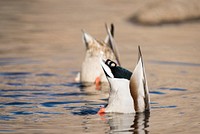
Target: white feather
pixel 120 100
pixel 87 39
pixel 106 68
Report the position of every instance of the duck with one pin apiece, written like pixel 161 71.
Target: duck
pixel 129 91
pixel 91 71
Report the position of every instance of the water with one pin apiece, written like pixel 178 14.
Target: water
pixel 39 102
pixel 40 107
pixel 41 53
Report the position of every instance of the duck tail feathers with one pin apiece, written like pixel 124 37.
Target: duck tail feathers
pixel 111 42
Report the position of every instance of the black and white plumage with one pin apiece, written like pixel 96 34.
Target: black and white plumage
pixel 129 91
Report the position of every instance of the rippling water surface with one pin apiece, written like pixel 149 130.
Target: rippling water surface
pixel 30 107
pixel 35 102
pixel 41 53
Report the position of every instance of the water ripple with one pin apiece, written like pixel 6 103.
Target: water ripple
pixel 14 73
pixel 17 103
pixel 6 117
pixel 158 107
pixel 90 109
pixel 73 84
pixel 41 112
pixel 173 89
pixel 86 111
pixel 46 74
pixel 21 90
pixel 55 103
pixel 156 92
pixel 22 113
pixel 70 94
pixel 16 61
pixel 14 84
pixel 175 63
pixel 13 96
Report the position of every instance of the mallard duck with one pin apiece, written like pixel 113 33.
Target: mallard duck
pixel 91 70
pixel 128 91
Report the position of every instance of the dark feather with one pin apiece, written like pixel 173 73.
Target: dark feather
pixel 117 71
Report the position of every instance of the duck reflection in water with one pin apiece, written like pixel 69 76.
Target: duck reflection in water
pixel 129 123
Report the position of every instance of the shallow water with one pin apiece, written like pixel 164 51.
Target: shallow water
pixel 41 53
pixel 44 102
pixel 31 108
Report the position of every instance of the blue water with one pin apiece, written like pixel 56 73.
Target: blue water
pixel 42 97
pixel 39 101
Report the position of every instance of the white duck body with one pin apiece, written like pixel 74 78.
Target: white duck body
pixel 129 92
pixel 120 99
pixel 91 68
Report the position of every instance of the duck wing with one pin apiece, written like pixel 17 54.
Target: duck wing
pixel 138 86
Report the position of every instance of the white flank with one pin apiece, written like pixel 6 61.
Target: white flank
pixel 120 100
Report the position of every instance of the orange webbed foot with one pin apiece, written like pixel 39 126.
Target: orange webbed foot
pixel 101 111
pixel 98 83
